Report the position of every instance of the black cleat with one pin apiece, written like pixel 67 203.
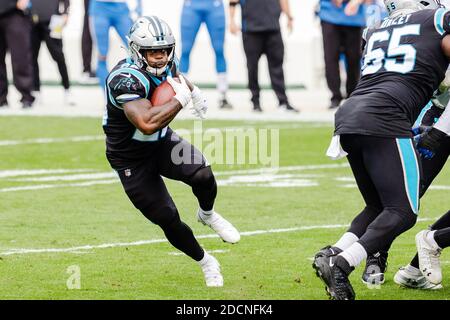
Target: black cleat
pixel 27 104
pixel 288 107
pixel 334 104
pixel 376 265
pixel 257 108
pixel 224 104
pixel 329 251
pixel 334 272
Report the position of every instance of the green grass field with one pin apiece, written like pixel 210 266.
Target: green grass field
pixel 83 205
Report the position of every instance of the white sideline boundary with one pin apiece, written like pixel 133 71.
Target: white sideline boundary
pixel 18 251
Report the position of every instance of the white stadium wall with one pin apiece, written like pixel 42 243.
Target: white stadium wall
pixel 303 48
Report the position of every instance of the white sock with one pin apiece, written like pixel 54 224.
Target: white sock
pixel 355 254
pixel 346 241
pixel 204 260
pixel 206 213
pixel 222 83
pixel 430 239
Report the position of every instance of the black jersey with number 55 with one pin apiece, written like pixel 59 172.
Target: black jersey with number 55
pixel 403 64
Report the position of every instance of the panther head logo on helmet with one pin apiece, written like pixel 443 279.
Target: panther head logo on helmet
pixel 154 34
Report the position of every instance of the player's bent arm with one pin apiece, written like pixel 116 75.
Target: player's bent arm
pixel 149 119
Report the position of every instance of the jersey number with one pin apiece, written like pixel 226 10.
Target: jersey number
pixel 375 59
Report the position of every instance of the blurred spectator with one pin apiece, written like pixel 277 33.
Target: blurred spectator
pixel 49 18
pixel 88 76
pixel 261 34
pixel 375 13
pixel 15 26
pixel 212 13
pixel 106 14
pixel 341 32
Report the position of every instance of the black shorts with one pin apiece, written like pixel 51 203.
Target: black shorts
pixel 175 158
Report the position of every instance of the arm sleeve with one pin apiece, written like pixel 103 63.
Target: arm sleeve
pixel 443 124
pixel 125 86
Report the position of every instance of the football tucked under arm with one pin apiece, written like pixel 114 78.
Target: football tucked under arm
pixel 149 118
pixel 162 94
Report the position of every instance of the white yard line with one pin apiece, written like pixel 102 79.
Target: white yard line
pixel 14 251
pixel 4 143
pixel 50 186
pixel 209 251
pixel 18 173
pixel 110 174
pixel 73 177
pixel 283 169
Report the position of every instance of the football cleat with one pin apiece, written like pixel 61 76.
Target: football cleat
pixel 211 271
pixel 224 104
pixel 376 265
pixel 221 226
pixel 337 285
pixel 429 254
pixel 288 107
pixel 329 251
pixel 411 277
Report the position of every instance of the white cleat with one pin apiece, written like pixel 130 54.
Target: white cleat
pixel 429 254
pixel 222 227
pixel 411 277
pixel 211 271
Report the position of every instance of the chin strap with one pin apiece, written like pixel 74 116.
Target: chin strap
pixel 158 72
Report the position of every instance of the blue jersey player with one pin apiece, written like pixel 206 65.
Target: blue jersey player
pixel 212 13
pixel 106 14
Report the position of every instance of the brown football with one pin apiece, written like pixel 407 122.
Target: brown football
pixel 163 93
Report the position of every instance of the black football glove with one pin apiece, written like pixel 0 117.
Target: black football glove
pixel 428 141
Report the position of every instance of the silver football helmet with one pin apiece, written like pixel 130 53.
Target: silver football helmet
pixel 150 32
pixel 395 7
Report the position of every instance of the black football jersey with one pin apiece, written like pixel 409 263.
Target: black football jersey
pixel 403 65
pixel 125 144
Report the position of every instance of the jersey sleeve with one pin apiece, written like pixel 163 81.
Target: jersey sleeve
pixel 442 21
pixel 126 85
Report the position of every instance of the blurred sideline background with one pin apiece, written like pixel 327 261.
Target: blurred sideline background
pixel 303 65
pixel 303 59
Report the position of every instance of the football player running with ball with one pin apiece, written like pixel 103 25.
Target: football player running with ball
pixel 404 63
pixel 142 149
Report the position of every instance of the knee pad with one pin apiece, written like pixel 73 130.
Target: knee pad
pixel 204 178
